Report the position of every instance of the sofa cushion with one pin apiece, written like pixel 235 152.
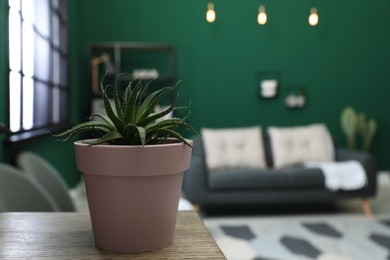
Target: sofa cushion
pixel 229 148
pixel 266 179
pixel 292 145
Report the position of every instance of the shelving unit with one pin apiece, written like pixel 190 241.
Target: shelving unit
pixel 154 61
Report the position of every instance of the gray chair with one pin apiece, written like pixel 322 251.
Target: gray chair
pixel 39 170
pixel 18 193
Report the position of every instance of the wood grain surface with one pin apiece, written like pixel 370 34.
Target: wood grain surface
pixel 69 236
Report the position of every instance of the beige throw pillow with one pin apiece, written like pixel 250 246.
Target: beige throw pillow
pixel 292 145
pixel 233 148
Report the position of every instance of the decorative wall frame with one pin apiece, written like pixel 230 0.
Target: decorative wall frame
pixel 295 97
pixel 268 84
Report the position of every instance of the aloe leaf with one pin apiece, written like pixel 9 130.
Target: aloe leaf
pixel 145 104
pixel 102 81
pixel 174 134
pixel 155 130
pixel 88 125
pixel 131 104
pixel 150 108
pixel 118 105
pixel 105 118
pixel 163 123
pixel 140 132
pixel 84 130
pixel 169 123
pixel 147 107
pixel 127 93
pixel 143 91
pixel 183 107
pixel 156 116
pixel 111 136
pixel 156 138
pixel 110 113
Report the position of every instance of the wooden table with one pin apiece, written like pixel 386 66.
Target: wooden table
pixel 69 236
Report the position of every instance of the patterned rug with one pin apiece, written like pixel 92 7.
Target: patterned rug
pixel 308 237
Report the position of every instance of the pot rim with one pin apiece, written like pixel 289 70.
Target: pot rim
pixel 169 142
pixel 137 160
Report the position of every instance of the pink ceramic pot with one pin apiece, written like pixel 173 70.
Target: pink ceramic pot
pixel 133 193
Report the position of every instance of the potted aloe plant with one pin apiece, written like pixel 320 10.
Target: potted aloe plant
pixel 133 169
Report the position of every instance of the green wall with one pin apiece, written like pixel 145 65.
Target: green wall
pixel 345 60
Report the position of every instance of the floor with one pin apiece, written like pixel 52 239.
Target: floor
pixel 321 237
pixel 380 203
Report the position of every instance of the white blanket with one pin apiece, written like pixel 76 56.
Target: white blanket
pixel 347 175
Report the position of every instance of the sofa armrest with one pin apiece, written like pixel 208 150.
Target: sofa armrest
pixel 195 178
pixel 368 162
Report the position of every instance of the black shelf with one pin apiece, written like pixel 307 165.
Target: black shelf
pixel 127 57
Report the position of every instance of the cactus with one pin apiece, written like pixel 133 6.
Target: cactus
pixel 367 130
pixel 349 125
pixel 354 125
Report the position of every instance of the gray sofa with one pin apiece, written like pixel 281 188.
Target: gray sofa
pixel 288 185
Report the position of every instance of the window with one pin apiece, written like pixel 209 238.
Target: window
pixel 38 66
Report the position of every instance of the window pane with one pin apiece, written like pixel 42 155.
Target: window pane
pixel 28 11
pixel 56 31
pixel 56 105
pixel 15 4
pixel 55 4
pixel 28 102
pixel 63 40
pixel 42 63
pixel 28 49
pixel 56 68
pixel 42 104
pixel 14 101
pixel 42 15
pixel 14 40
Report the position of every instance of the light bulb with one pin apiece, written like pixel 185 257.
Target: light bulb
pixel 210 14
pixel 313 17
pixel 262 16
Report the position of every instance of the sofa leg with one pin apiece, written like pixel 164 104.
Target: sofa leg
pixel 366 207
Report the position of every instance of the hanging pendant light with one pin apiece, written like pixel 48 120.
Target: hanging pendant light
pixel 313 17
pixel 262 16
pixel 210 14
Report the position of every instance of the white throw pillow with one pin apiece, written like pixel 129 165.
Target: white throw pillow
pixel 292 145
pixel 233 148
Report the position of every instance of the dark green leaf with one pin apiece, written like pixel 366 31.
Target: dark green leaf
pixel 110 113
pixel 151 108
pixel 156 116
pixel 131 104
pixel 144 113
pixel 118 105
pixel 174 134
pixel 111 136
pixel 105 118
pixel 140 132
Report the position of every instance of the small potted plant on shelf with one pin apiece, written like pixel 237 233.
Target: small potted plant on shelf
pixel 133 169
